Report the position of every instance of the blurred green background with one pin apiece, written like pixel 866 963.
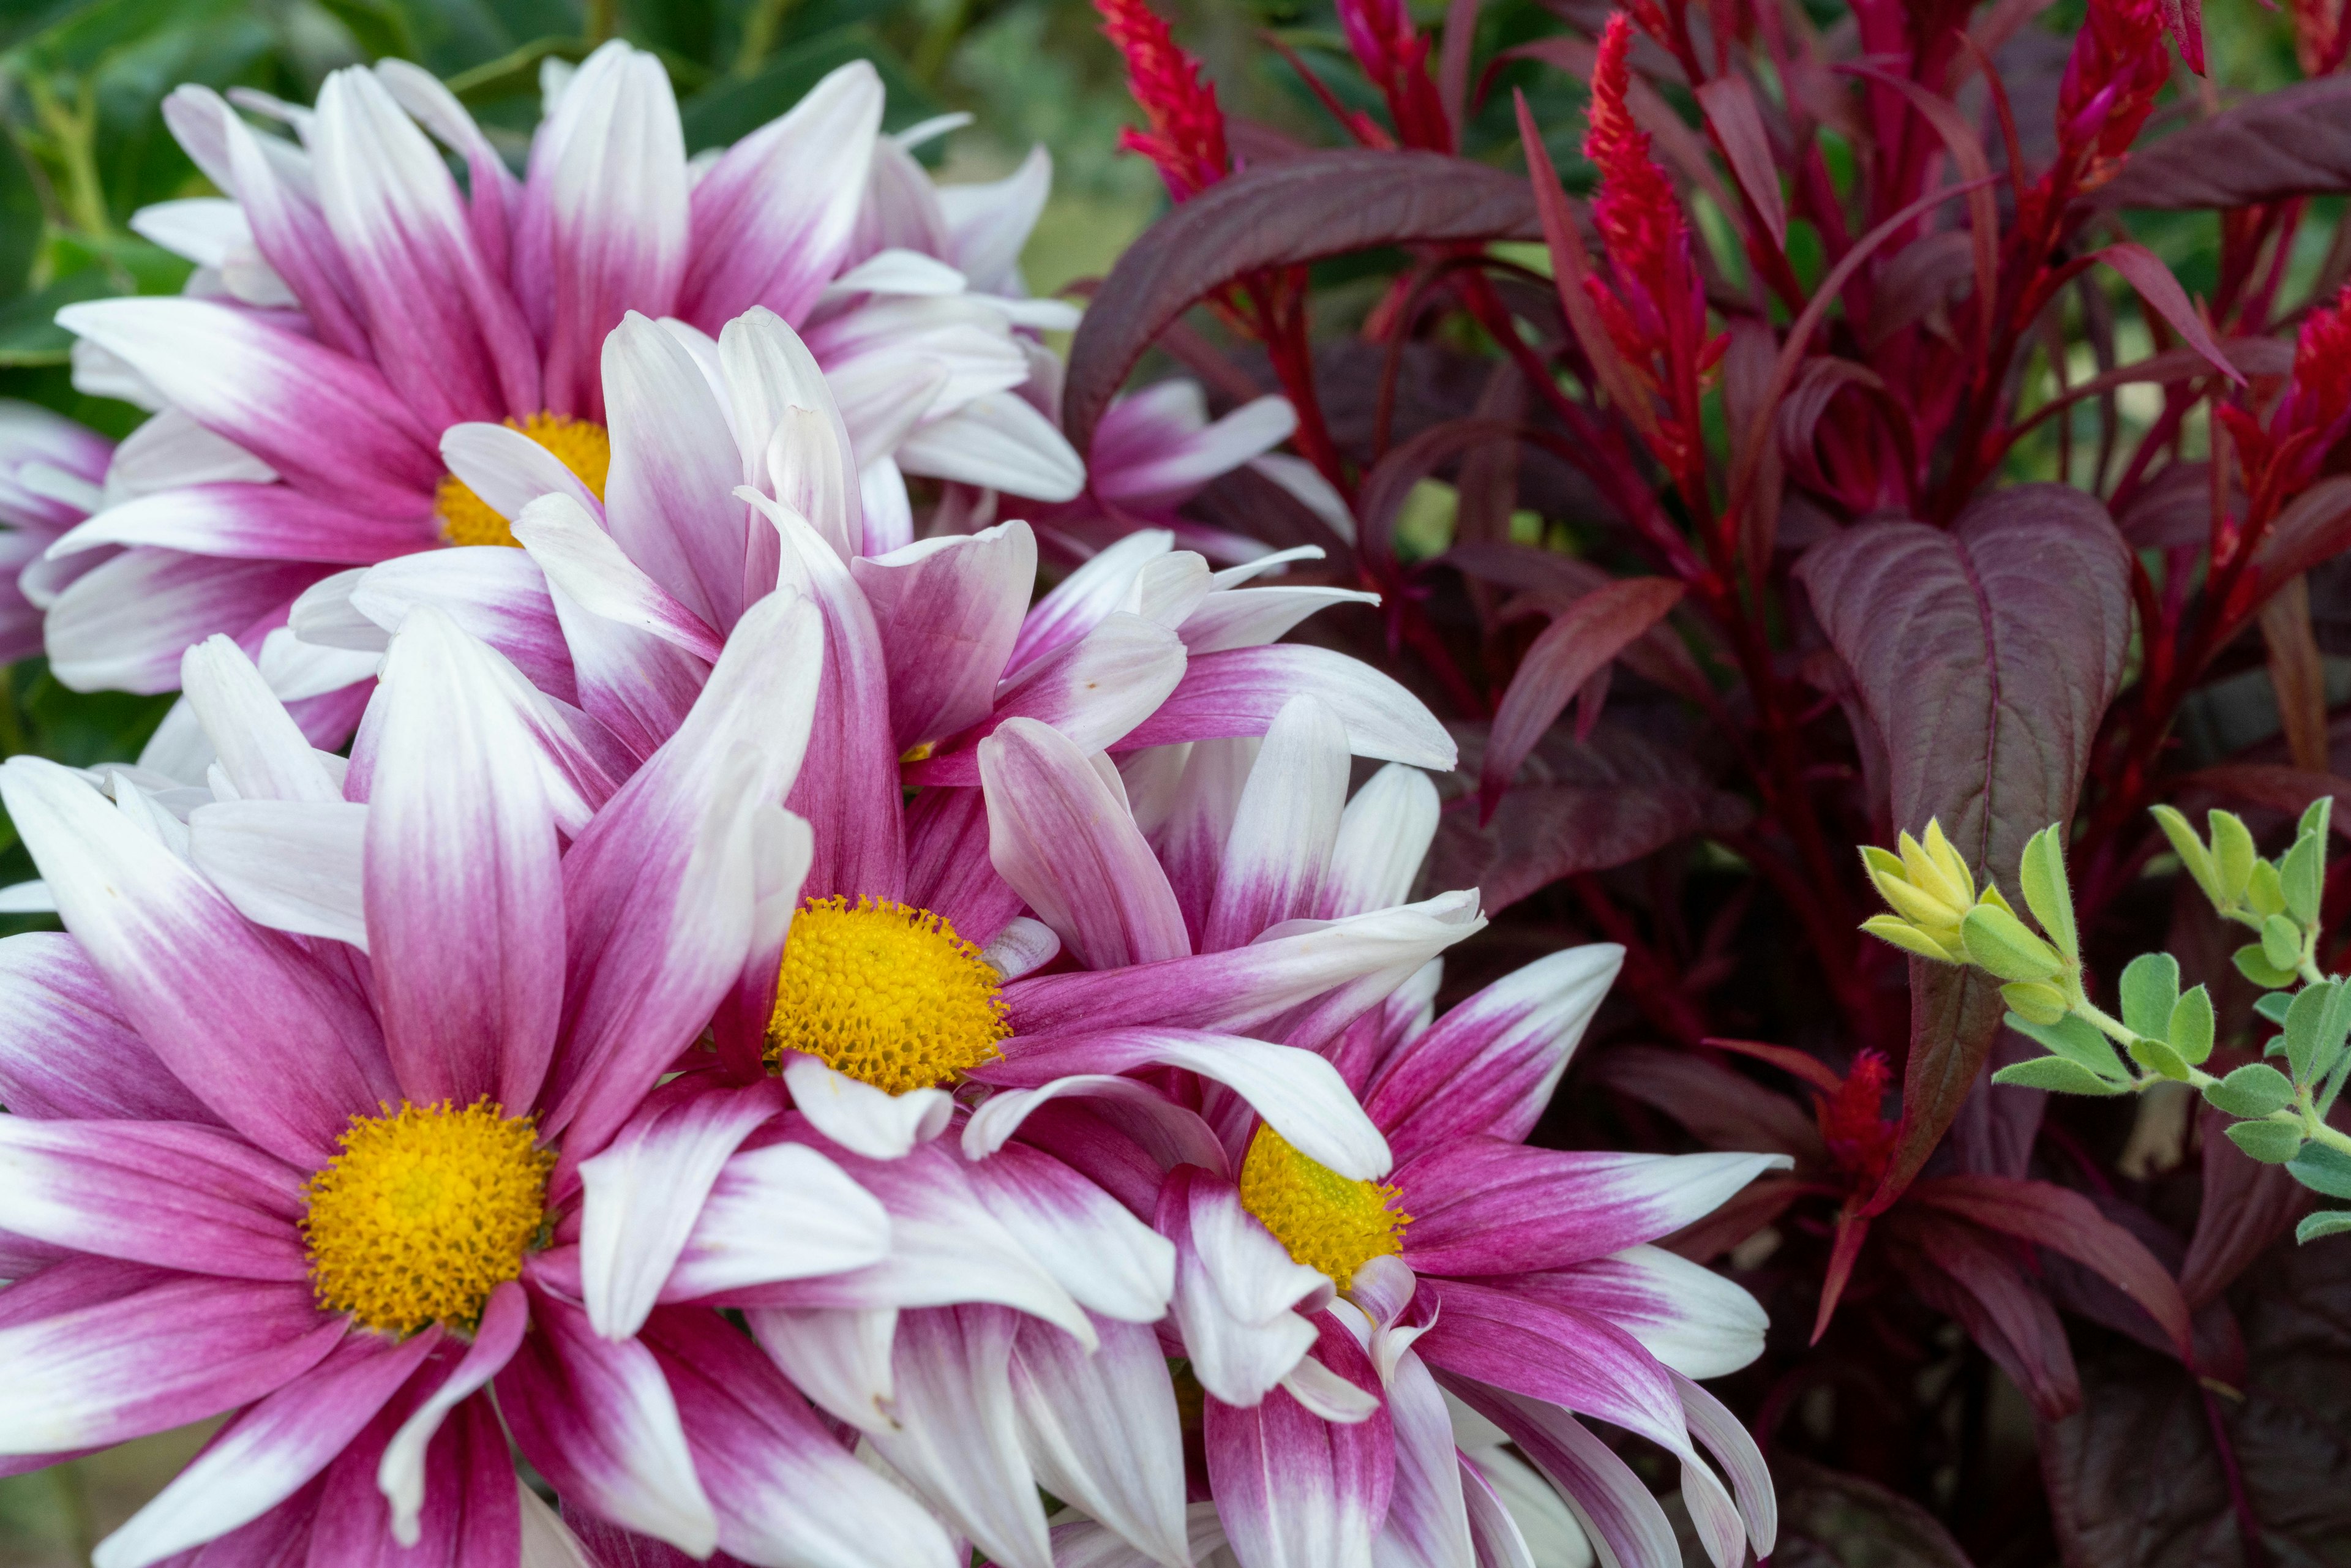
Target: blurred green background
pixel 79 89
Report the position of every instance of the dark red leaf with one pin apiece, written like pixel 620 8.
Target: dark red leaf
pixel 1852 1231
pixel 2246 1206
pixel 1984 658
pixel 2161 293
pixel 1787 1058
pixel 1959 1270
pixel 2295 142
pixel 2275 787
pixel 2066 1222
pixel 1578 808
pixel 1738 123
pixel 1722 1109
pixel 1299 209
pixel 1831 1519
pixel 1573 648
pixel 2136 1479
pixel 1406 465
pixel 1744 1213
pixel 2315 525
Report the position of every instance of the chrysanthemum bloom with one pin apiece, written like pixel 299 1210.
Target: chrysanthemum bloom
pixel 355 303
pixel 52 472
pixel 1319 1309
pixel 334 1185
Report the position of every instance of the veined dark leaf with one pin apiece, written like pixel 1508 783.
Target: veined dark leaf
pixel 1300 209
pixel 1576 646
pixel 1984 657
pixel 2295 142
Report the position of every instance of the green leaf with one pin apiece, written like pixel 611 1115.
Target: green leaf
pixel 2254 967
pixel 2273 1007
pixel 2323 1169
pixel 1998 941
pixel 2303 876
pixel 2150 986
pixel 2315 819
pixel 2315 1029
pixel 2232 854
pixel 2326 1222
pixel 733 108
pixel 2058 1075
pixel 2191 851
pixel 2267 895
pixel 2040 875
pixel 2189 1028
pixel 2075 1039
pixel 2042 1004
pixel 2281 942
pixel 2252 1091
pixel 1900 933
pixel 2272 1143
pixel 29 334
pixel 2156 1056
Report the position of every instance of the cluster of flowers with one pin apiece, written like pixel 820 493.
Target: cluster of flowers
pixel 814 1052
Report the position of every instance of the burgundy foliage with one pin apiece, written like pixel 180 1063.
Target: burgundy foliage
pixel 1812 489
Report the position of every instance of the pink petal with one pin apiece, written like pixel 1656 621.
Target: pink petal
pixel 124 625
pixel 471 1513
pixel 947 868
pixel 403 1472
pixel 174 1196
pixel 278 1048
pixel 252 522
pixel 1240 1299
pixel 276 395
pixel 464 897
pixel 1061 836
pixel 1686 1315
pixel 1615 1510
pixel 771 219
pixel 669 497
pixel 1480 1206
pixel 1490 1065
pixel 447 334
pixel 1102 1430
pixel 1294 1490
pixel 1240 691
pixel 1278 851
pixel 270 1451
pixel 947 610
pixel 598 1421
pixel 174 1348
pixel 612 191
pixel 496 594
pixel 785 1489
pixel 958 1438
pixel 66 1051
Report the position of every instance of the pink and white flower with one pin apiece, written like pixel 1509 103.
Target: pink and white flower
pixel 337 1185
pixel 52 475
pixel 354 303
pixel 1321 1307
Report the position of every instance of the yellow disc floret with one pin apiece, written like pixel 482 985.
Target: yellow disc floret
pixel 427 1211
pixel 1326 1220
pixel 889 995
pixel 580 444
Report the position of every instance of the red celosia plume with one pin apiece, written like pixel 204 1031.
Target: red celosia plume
pixel 1860 1138
pixel 1394 57
pixel 1653 303
pixel 1187 139
pixel 2119 64
pixel 2282 458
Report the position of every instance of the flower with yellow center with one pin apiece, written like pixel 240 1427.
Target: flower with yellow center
pixel 887 994
pixel 581 445
pixel 1326 1220
pixel 426 1212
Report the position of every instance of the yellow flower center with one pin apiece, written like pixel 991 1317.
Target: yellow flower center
pixel 425 1212
pixel 889 995
pixel 581 445
pixel 1326 1222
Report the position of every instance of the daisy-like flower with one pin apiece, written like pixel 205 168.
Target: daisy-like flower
pixel 1320 1310
pixel 52 474
pixel 336 1187
pixel 355 302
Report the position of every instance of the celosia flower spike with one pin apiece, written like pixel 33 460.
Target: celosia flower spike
pixel 1653 303
pixel 2119 64
pixel 1395 56
pixel 2282 459
pixel 1851 1121
pixel 1187 139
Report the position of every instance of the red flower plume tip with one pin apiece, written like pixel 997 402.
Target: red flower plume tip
pixel 1394 57
pixel 1187 139
pixel 2311 416
pixel 2119 64
pixel 1653 305
pixel 1860 1138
